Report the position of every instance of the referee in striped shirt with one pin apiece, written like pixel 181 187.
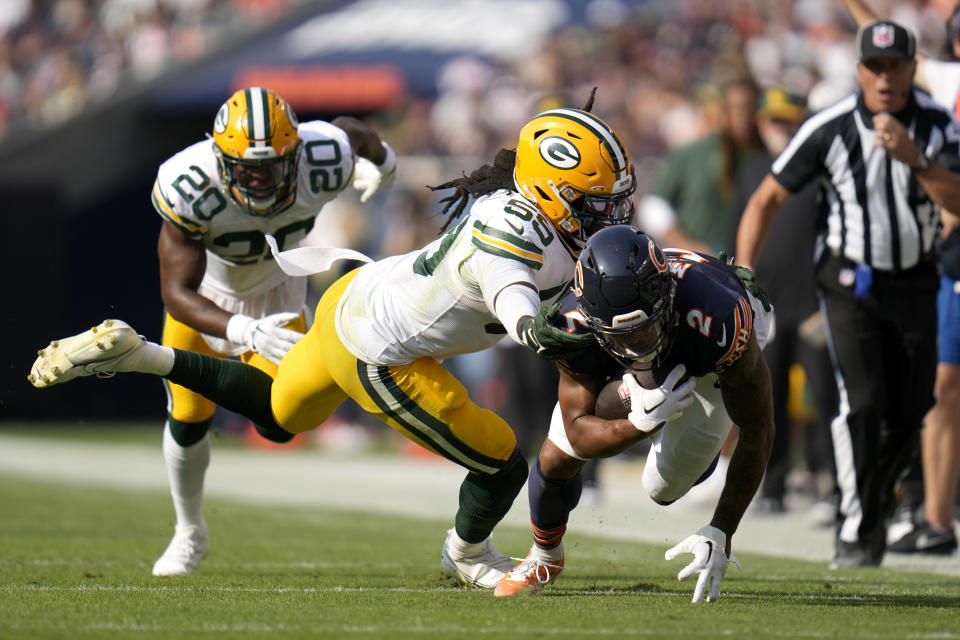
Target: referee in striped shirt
pixel 884 158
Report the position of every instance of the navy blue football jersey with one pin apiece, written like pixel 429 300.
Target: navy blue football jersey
pixel 715 321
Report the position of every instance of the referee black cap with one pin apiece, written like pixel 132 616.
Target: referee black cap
pixel 884 39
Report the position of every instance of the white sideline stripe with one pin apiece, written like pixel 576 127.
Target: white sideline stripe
pixel 45 562
pixel 132 588
pixel 418 488
pixel 433 631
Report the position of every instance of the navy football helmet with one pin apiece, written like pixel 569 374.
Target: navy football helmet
pixel 627 295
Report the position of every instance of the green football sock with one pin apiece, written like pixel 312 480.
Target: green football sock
pixel 233 385
pixel 484 500
pixel 188 433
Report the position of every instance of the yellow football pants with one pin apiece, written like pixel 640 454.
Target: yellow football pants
pixel 184 405
pixel 421 400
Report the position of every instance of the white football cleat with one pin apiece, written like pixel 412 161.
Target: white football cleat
pixel 479 565
pixel 102 351
pixel 185 551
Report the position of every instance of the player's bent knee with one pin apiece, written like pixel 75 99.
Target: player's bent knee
pixel 665 491
pixel 514 474
pixel 662 490
pixel 556 463
pixel 274 433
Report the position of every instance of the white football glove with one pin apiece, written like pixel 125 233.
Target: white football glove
pixel 369 178
pixel 650 408
pixel 266 335
pixel 709 560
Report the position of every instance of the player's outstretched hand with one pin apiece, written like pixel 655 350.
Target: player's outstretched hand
pixel 749 280
pixel 550 343
pixel 709 560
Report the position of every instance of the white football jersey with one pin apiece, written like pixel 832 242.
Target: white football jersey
pixel 190 194
pixel 438 301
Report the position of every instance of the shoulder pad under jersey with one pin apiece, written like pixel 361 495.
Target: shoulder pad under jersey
pixel 326 160
pixel 187 191
pixel 715 317
pixel 506 224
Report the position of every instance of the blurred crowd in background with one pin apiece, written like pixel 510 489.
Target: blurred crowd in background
pixel 660 68
pixel 59 56
pixel 657 63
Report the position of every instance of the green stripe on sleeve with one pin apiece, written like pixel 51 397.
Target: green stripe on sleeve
pixel 497 251
pixel 517 241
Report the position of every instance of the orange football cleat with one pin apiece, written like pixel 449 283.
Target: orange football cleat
pixel 529 576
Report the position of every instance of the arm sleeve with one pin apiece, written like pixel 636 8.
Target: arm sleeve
pixel 507 287
pixel 514 302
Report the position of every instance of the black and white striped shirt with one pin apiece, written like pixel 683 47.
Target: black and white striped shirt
pixel 877 213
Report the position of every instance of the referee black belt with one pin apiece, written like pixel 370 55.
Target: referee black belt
pixel 927 262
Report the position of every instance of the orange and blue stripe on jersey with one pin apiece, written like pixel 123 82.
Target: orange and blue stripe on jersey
pixel 742 328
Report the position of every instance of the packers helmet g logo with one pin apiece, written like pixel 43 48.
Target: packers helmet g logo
pixel 559 153
pixel 220 122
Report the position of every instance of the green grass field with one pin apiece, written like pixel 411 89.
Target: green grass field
pixel 75 563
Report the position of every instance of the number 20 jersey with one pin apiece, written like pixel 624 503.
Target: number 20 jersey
pixel 189 193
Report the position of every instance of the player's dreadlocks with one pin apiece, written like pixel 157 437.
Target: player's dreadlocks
pixel 484 180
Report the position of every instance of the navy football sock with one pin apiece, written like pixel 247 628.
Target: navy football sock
pixel 551 502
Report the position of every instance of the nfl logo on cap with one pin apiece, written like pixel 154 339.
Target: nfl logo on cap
pixel 884 40
pixel 883 35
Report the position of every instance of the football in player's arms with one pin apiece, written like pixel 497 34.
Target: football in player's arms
pixel 613 401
